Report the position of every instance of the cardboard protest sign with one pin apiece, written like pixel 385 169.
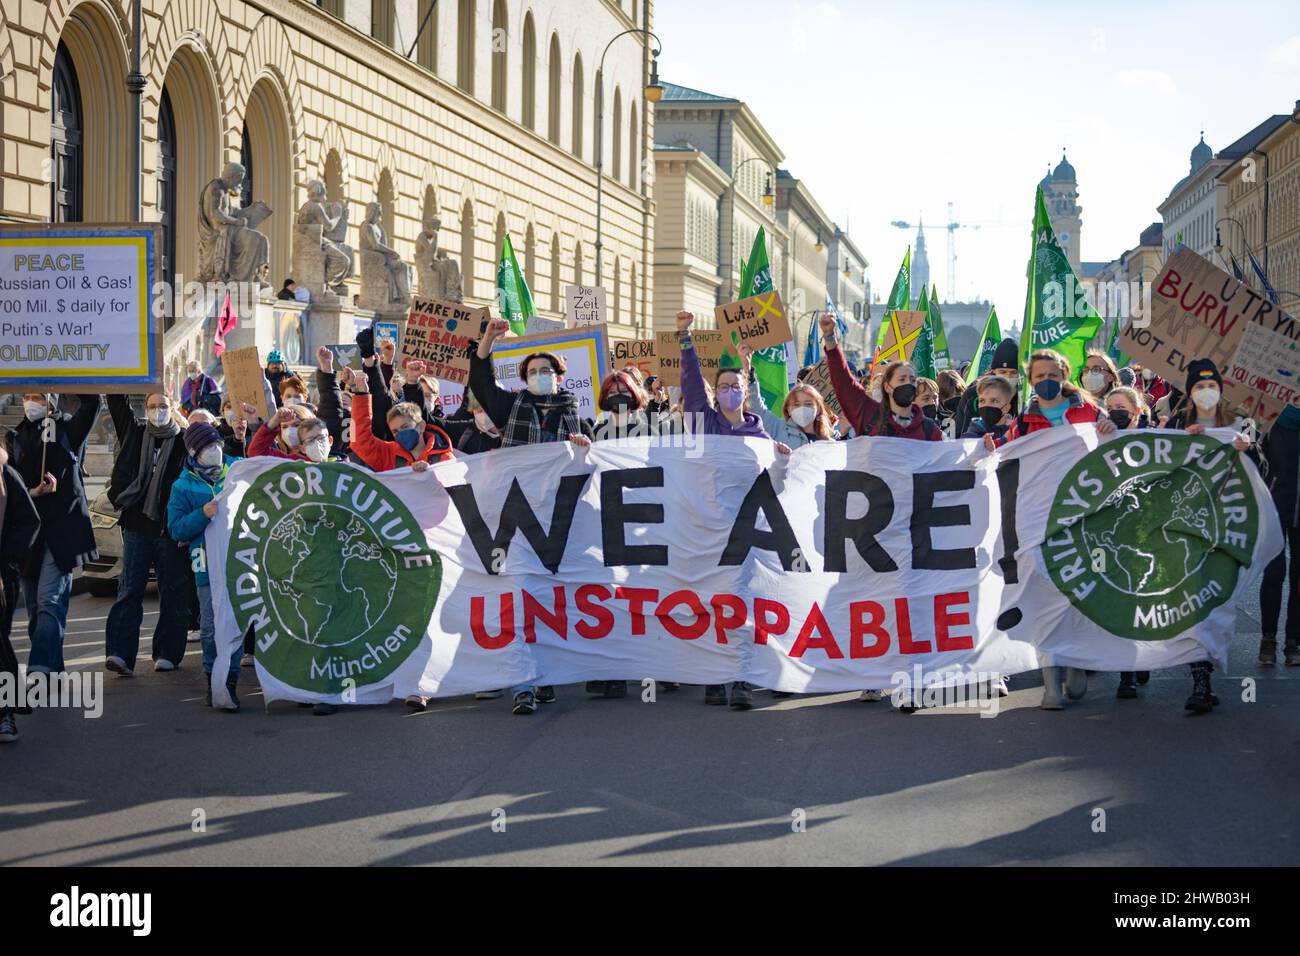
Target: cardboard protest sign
pixel 902 332
pixel 759 321
pixel 76 309
pixel 536 324
pixel 638 352
pixel 819 377
pixel 709 346
pixel 1200 311
pixel 245 378
pixel 440 334
pixel 586 305
pixel 346 355
pixel 585 352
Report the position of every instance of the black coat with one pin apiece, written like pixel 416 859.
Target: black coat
pixel 968 408
pixel 22 521
pixel 65 515
pixel 1281 450
pixel 130 440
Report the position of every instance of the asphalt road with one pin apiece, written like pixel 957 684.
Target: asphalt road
pixel 669 782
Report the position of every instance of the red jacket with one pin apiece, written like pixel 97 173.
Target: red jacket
pixel 380 455
pixel 263 443
pixel 868 416
pixel 1032 419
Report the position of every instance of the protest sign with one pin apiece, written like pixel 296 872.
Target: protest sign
pixel 535 324
pixel 440 335
pixel 245 378
pixel 759 321
pixel 76 307
pixel 586 305
pixel 638 352
pixel 585 352
pixel 346 355
pixel 385 332
pixel 819 377
pixel 1200 311
pixel 902 330
pixel 710 345
pixel 709 559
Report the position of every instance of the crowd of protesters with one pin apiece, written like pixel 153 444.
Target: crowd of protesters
pixel 171 464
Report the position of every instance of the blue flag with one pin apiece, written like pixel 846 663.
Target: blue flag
pixel 1268 289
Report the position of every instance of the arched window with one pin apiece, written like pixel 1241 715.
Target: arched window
pixel 616 133
pixel 530 73
pixel 500 57
pixel 554 70
pixel 467 249
pixel 577 105
pixel 387 196
pixel 334 176
pixel 426 51
pixel 66 133
pixel 465 46
pixel 500 242
pixel 633 157
pixel 577 263
pixel 555 272
pixel 167 191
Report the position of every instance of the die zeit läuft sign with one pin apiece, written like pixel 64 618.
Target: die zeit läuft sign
pixel 75 307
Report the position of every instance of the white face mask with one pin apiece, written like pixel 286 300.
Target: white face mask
pixel 231 418
pixel 317 449
pixel 210 457
pixel 1094 381
pixel 1148 374
pixel 293 400
pixel 34 411
pixel 290 436
pixel 542 383
pixel 159 416
pixel 194 376
pixel 803 415
pixel 1205 398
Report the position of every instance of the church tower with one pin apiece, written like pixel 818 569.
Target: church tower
pixel 1061 194
pixel 920 263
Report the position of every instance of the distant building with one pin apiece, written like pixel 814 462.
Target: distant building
pixel 920 262
pixel 1195 203
pixel 1061 195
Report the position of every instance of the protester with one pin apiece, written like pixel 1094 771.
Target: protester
pixel 19 527
pixel 293 391
pixel 470 429
pixel 997 397
pixel 190 508
pixel 199 391
pixel 51 472
pixel 1098 375
pixel 287 290
pixel 895 414
pixel 1126 408
pixel 329 398
pixel 659 402
pixel 804 417
pixel 416 443
pixel 1152 385
pixel 624 403
pixel 951 387
pixel 233 428
pixel 151 455
pixel 1056 401
pixel 280 436
pixel 275 371
pixel 1281 451
pixel 1005 362
pixel 927 397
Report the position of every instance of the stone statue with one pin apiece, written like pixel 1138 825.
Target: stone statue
pixel 385 278
pixel 322 260
pixel 230 247
pixel 439 276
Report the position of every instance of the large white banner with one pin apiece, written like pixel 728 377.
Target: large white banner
pixel 835 568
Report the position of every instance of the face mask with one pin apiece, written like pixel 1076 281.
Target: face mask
pixel 210 457
pixel 543 383
pixel 1048 389
pixel 231 418
pixel 803 415
pixel 34 411
pixel 904 395
pixel 293 400
pixel 618 403
pixel 1148 374
pixel 1094 381
pixel 290 436
pixel 194 376
pixel 317 449
pixel 930 411
pixel 159 416
pixel 1206 398
pixel 990 415
pixel 408 438
pixel 730 400
pixel 1120 416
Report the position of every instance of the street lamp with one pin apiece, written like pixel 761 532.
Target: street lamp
pixel 654 92
pixel 768 198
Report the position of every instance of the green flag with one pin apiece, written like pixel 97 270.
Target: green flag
pixel 900 296
pixel 1112 346
pixel 923 353
pixel 942 357
pixel 769 364
pixel 988 344
pixel 1057 316
pixel 513 298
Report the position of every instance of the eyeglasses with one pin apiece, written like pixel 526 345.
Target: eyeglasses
pixel 729 388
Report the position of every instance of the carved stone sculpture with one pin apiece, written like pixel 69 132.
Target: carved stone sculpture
pixel 439 275
pixel 385 278
pixel 322 260
pixel 230 247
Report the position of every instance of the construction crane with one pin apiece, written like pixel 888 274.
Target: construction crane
pixel 951 228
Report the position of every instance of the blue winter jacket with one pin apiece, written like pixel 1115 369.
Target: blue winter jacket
pixel 185 518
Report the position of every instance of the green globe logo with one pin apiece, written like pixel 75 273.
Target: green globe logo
pixel 1148 533
pixel 333 573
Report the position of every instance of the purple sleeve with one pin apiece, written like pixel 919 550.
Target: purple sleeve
pixel 694 397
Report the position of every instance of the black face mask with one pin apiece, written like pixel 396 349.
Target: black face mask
pixel 990 415
pixel 1120 416
pixel 615 402
pixel 904 395
pixel 930 411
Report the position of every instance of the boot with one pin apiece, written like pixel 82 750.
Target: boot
pixel 596 687
pixel 1268 649
pixel 741 697
pixel 1200 702
pixel 1128 689
pixel 231 683
pixel 615 688
pixel 1052 689
pixel 1292 652
pixel 715 694
pixel 1076 682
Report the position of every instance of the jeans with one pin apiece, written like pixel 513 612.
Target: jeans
pixel 47 598
pixel 122 631
pixel 208 636
pixel 1270 589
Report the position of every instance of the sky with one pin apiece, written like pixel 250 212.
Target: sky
pixel 891 110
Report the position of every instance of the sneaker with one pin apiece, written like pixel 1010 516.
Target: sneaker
pixel 247 661
pixel 1268 649
pixel 525 703
pixel 741 696
pixel 488 694
pixel 117 666
pixel 715 693
pixel 322 709
pixel 233 706
pixel 1127 689
pixel 545 695
pixel 8 729
pixel 871 696
pixel 193 637
pixel 615 689
pixel 1144 678
pixel 1292 653
pixel 162 664
pixel 416 702
pixel 1000 687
